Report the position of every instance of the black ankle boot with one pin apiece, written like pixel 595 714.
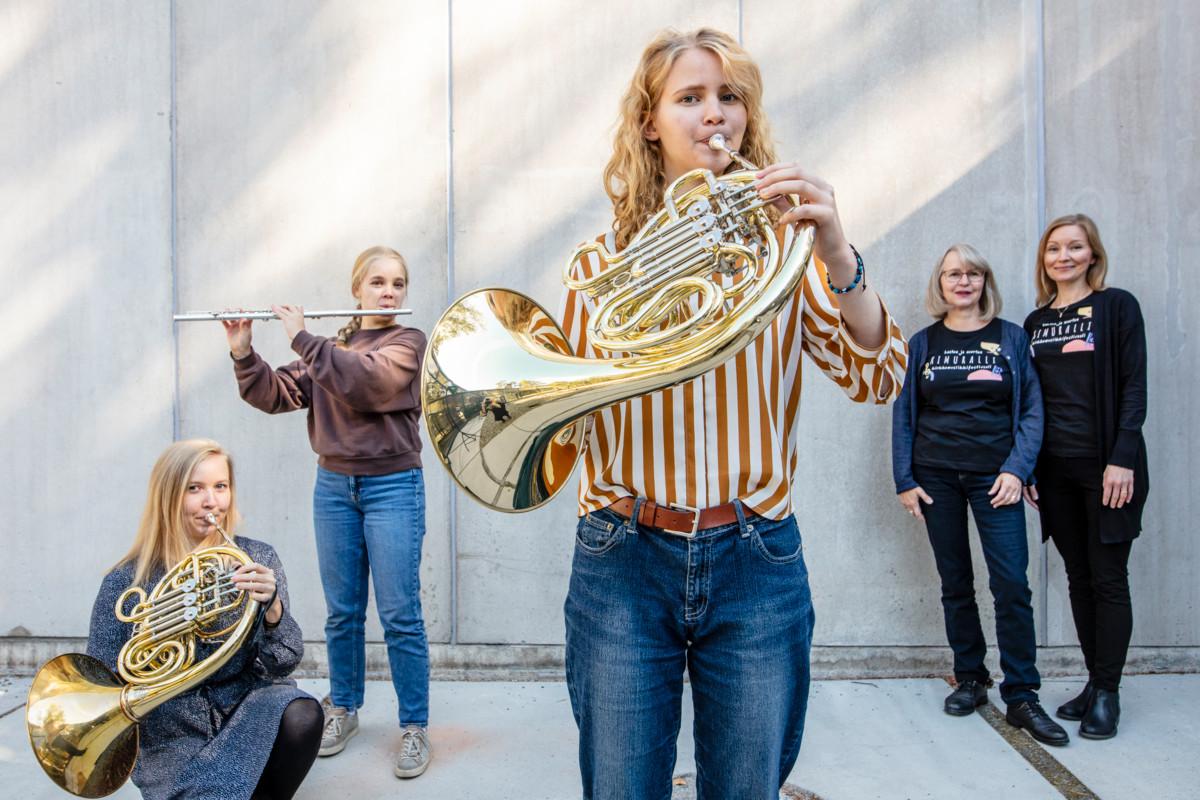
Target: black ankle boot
pixel 1100 721
pixel 1076 708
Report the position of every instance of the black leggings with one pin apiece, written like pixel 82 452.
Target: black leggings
pixel 1069 495
pixel 294 751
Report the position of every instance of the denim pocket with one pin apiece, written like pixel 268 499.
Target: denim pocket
pixel 777 542
pixel 599 532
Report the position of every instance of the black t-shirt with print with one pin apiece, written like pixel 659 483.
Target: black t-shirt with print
pixel 965 414
pixel 1064 347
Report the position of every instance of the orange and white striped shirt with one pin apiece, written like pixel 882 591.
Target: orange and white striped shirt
pixel 730 433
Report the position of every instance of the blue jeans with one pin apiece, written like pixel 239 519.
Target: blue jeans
pixel 364 524
pixel 733 608
pixel 1006 551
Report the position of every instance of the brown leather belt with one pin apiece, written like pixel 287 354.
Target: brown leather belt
pixel 676 520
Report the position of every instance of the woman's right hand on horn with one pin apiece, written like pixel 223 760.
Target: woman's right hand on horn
pixel 237 332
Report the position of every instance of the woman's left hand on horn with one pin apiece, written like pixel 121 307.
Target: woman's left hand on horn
pixel 259 582
pixel 817 206
pixel 255 579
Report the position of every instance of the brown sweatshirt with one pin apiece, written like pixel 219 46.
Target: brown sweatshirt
pixel 363 402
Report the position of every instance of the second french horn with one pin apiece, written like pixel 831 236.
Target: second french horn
pixel 504 397
pixel 82 719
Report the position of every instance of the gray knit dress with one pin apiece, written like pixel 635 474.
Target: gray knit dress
pixel 213 740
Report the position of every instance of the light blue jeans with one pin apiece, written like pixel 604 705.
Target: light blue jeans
pixel 733 608
pixel 373 524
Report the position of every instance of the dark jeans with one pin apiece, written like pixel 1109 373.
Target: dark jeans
pixel 1006 551
pixel 733 608
pixel 1069 494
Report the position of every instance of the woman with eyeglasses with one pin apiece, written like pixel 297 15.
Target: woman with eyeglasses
pixel 965 434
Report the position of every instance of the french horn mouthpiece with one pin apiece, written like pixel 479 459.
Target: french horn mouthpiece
pixel 717 142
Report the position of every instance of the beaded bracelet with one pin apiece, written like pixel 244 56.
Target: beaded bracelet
pixel 858 276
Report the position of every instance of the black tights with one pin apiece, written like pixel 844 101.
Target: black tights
pixel 294 751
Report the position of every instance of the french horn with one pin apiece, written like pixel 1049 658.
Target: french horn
pixel 504 398
pixel 82 719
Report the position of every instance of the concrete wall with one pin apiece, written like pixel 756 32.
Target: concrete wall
pixel 1122 128
pixel 194 155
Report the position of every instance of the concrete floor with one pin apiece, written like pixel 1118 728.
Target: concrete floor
pixel 864 739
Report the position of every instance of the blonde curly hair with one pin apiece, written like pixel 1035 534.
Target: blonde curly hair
pixel 634 176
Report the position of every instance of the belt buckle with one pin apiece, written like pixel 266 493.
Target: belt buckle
pixel 695 521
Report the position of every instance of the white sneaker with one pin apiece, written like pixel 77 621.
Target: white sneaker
pixel 340 725
pixel 415 752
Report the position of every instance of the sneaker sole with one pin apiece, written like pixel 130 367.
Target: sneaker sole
pixel 410 773
pixel 333 750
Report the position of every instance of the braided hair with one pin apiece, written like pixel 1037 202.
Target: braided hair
pixel 349 329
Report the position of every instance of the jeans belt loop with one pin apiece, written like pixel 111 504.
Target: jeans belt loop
pixel 632 523
pixel 744 528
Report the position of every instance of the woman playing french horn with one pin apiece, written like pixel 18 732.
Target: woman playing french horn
pixel 246 731
pixel 687 553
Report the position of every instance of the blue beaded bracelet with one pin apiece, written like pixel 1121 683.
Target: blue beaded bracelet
pixel 858 276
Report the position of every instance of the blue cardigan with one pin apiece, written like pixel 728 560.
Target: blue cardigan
pixel 1027 397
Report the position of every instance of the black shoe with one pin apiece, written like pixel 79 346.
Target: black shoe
pixel 964 699
pixel 1074 710
pixel 1030 715
pixel 1102 716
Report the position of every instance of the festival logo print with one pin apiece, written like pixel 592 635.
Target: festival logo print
pixel 981 363
pixel 1084 345
pixel 1072 334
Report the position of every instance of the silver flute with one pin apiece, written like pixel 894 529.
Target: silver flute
pixel 208 316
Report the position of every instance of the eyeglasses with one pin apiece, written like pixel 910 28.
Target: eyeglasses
pixel 954 276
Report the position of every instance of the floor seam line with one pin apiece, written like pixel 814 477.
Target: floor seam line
pixel 1052 770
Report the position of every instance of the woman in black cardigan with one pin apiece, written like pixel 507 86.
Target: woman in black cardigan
pixel 1089 347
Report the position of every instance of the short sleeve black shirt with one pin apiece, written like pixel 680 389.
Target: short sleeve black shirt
pixel 1064 344
pixel 964 419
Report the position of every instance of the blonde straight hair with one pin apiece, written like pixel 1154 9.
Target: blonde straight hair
pixel 634 177
pixel 1047 289
pixel 162 539
pixel 361 264
pixel 990 301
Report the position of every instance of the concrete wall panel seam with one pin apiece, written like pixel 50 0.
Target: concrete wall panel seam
pixel 452 519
